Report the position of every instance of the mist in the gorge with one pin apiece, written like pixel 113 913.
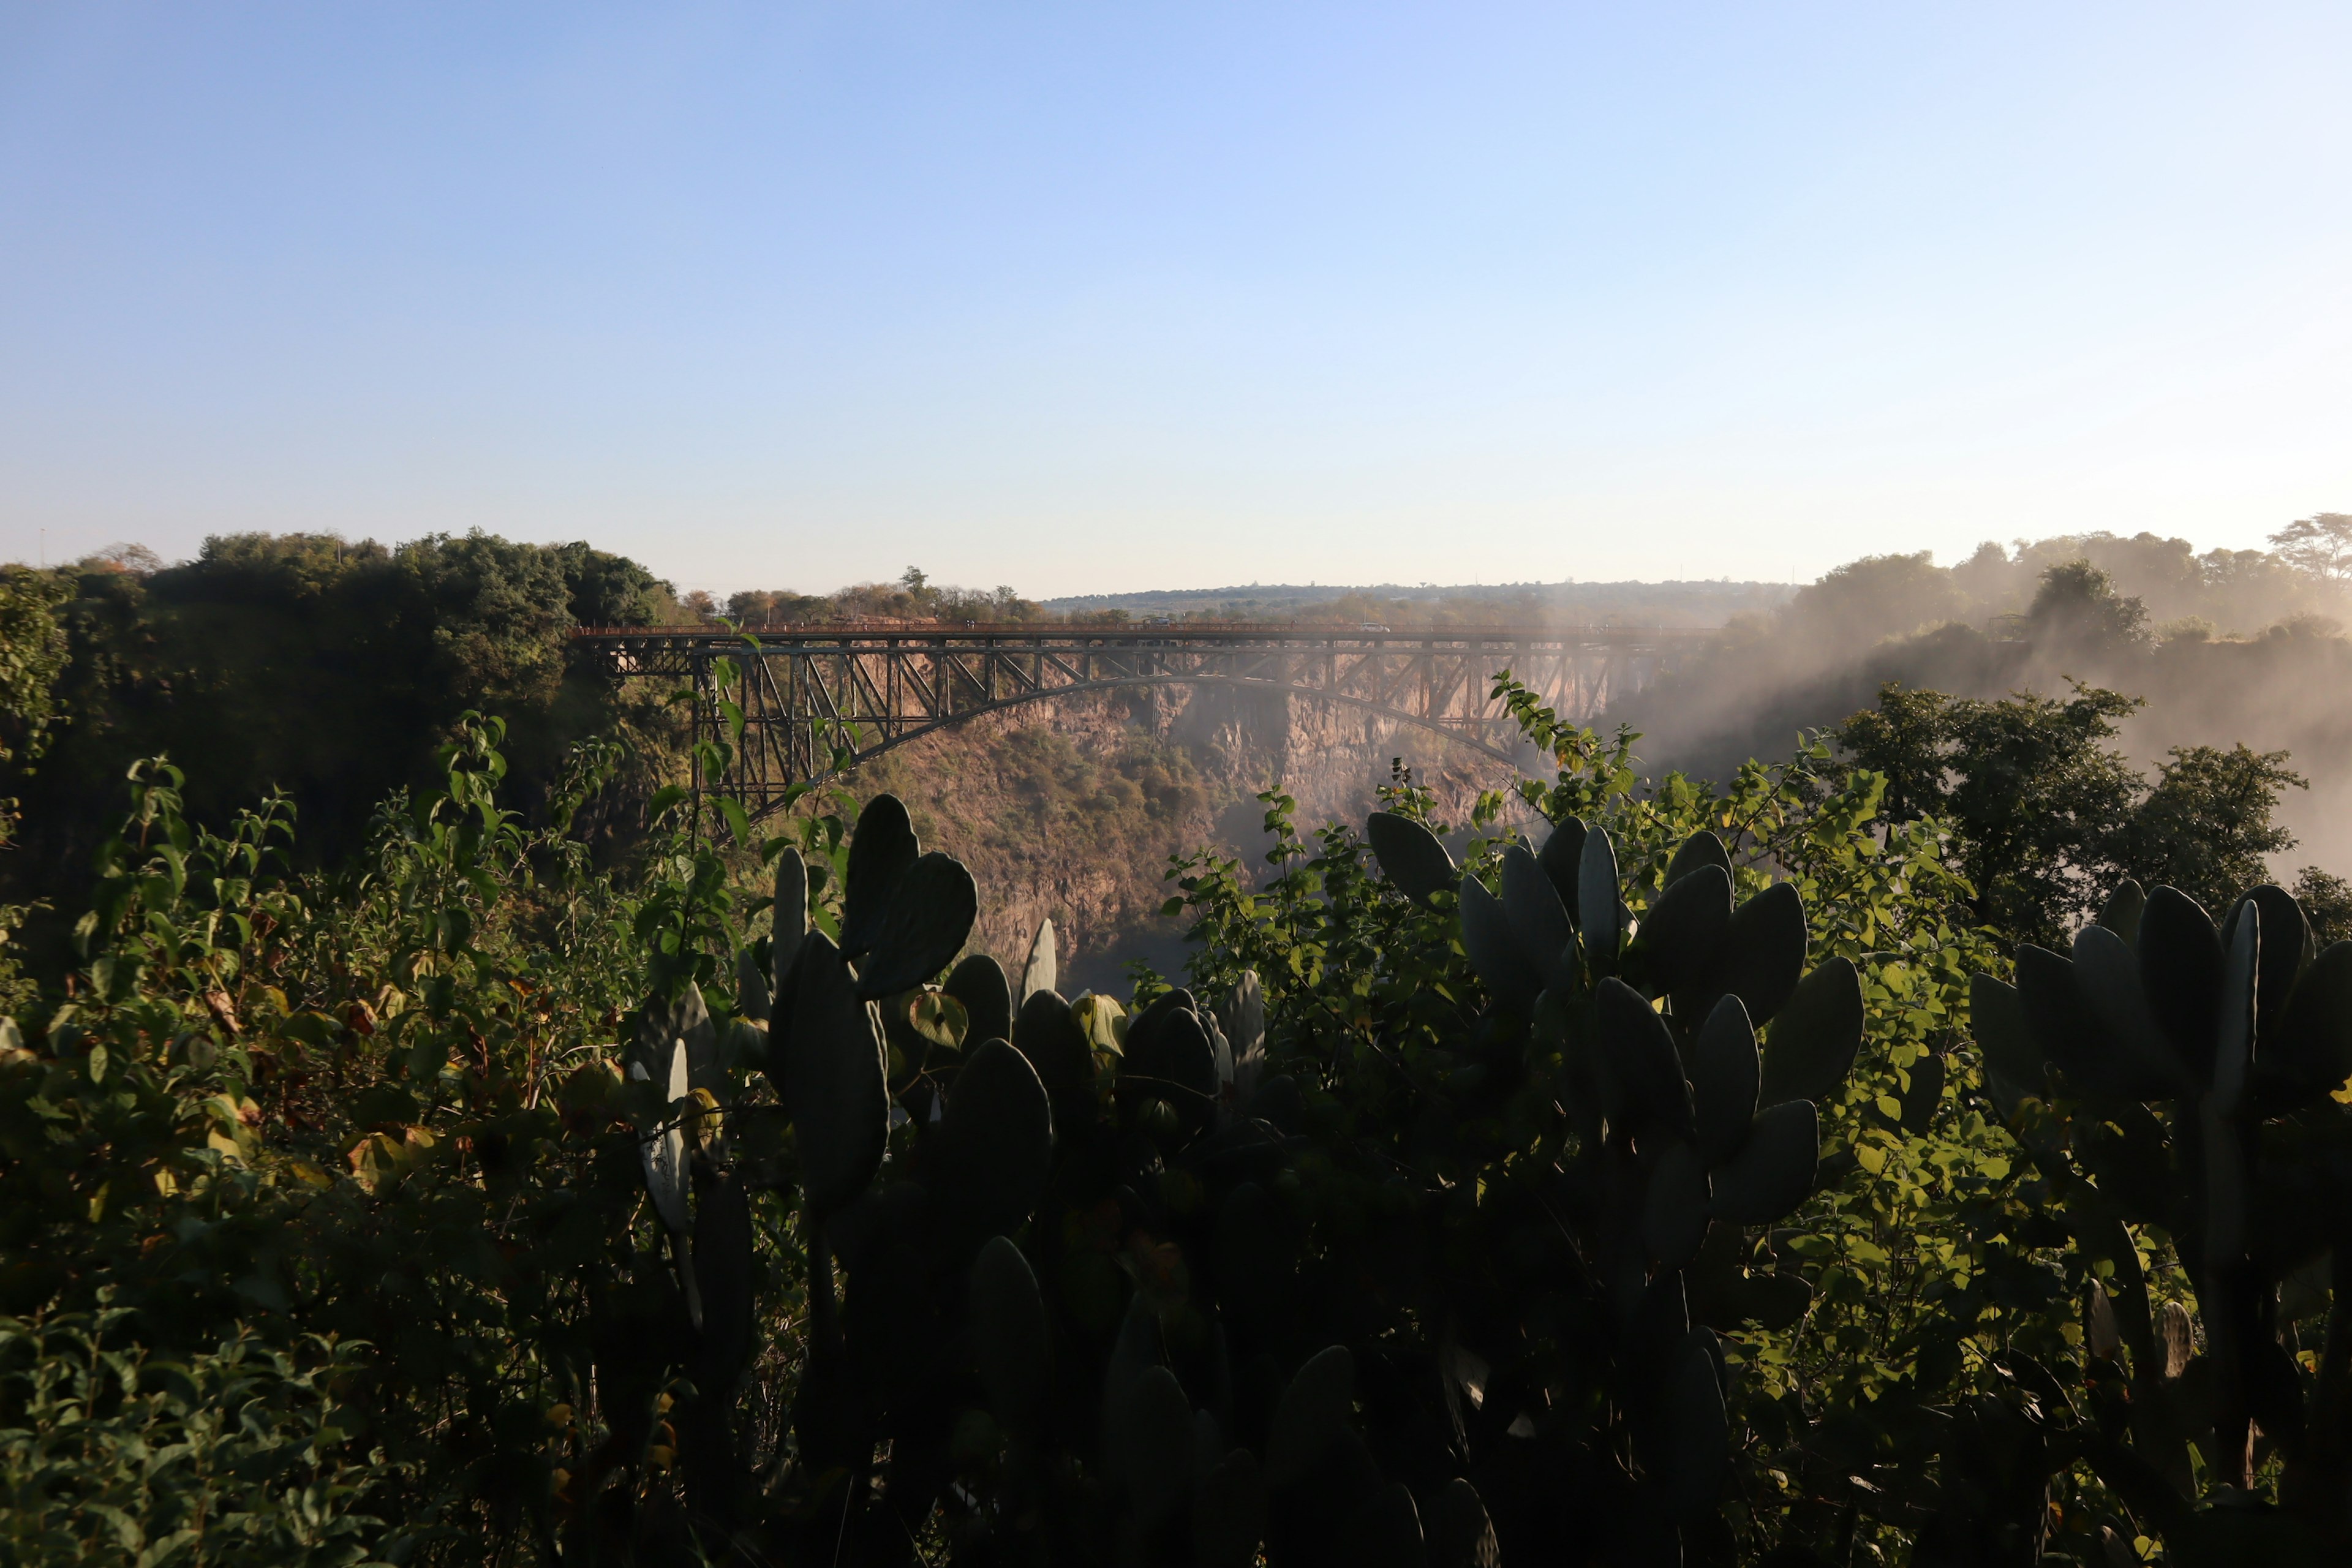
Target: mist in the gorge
pixel 2223 648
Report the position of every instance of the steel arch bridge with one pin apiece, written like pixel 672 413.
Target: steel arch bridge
pixel 870 687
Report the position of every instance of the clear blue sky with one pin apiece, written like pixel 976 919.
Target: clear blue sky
pixel 1095 297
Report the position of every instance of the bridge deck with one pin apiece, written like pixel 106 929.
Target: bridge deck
pixel 1221 633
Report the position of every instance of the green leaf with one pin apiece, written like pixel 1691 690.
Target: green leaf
pixel 1103 1023
pixel 939 1018
pixel 665 800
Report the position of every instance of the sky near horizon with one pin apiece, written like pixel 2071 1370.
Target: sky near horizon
pixel 1086 298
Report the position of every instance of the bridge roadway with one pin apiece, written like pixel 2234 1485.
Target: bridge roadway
pixel 868 687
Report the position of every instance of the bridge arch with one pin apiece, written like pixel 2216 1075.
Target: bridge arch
pixel 1231 682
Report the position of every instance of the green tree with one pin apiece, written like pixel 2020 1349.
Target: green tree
pixel 2326 901
pixel 2078 612
pixel 1877 597
pixel 326 667
pixel 608 589
pixel 2029 783
pixel 2320 545
pixel 32 655
pixel 2207 827
pixel 2051 816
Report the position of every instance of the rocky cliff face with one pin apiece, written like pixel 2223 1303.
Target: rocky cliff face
pixel 1072 808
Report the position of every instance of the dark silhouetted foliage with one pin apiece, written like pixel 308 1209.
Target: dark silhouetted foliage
pixel 326 669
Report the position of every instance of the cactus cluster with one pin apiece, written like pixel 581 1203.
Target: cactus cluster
pixel 1689 1137
pixel 1060 1264
pixel 2180 1074
pixel 1109 1289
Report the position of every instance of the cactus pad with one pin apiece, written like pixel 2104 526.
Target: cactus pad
pixel 1410 855
pixel 839 1101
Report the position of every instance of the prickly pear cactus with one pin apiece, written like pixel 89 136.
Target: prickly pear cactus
pixel 1047 1273
pixel 2182 1077
pixel 1041 970
pixel 1683 1133
pixel 1199 1281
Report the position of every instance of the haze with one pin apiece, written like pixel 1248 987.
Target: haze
pixel 1093 298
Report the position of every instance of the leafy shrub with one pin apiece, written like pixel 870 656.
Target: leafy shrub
pixel 116 1455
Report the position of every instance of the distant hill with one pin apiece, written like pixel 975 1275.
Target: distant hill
pixel 1692 603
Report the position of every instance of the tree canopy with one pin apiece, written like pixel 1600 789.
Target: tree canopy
pixel 327 668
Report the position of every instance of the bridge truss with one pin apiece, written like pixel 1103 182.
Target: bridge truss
pixel 803 691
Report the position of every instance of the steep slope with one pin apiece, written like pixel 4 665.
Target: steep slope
pixel 1072 808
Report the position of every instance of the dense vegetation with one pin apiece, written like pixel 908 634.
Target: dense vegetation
pixel 2052 816
pixel 1626 1174
pixel 2244 644
pixel 913 597
pixel 304 664
pixel 1700 604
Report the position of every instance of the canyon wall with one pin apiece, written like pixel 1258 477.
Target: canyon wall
pixel 1072 808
